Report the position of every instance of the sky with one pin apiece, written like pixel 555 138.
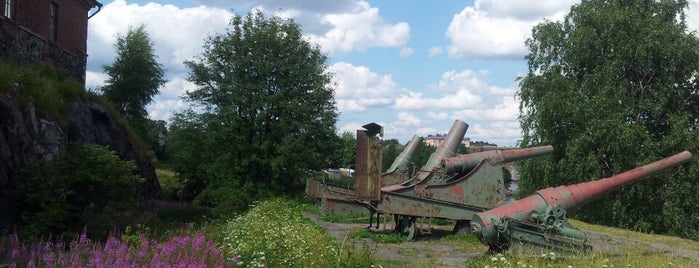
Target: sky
pixel 411 66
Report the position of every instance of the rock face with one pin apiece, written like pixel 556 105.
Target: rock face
pixel 26 137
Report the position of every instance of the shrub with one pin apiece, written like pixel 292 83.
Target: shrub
pixel 87 186
pixel 275 233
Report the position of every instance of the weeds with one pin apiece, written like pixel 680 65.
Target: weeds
pixel 177 251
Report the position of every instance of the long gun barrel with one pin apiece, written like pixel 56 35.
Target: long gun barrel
pixel 546 210
pixel 402 161
pixel 467 162
pixel 445 149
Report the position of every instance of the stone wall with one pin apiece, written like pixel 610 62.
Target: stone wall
pixel 21 45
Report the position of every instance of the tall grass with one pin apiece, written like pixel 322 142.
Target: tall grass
pixel 181 250
pixel 48 89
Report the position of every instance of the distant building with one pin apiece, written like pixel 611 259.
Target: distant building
pixel 437 139
pixel 47 31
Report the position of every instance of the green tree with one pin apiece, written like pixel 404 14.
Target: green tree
pixel 611 87
pixel 88 186
pixel 134 78
pixel 265 100
pixel 391 149
pixel 349 149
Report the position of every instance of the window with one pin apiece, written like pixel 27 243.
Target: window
pixel 9 8
pixel 53 24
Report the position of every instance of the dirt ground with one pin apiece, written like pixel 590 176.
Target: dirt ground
pixel 430 250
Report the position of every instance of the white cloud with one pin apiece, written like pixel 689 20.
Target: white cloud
pixel 435 51
pixel 177 34
pixel 506 110
pixel 406 52
pixel 498 28
pixel 456 90
pixel 523 9
pixel 500 133
pixel 360 29
pixel 408 119
pixel 94 80
pixel 693 16
pixel 358 87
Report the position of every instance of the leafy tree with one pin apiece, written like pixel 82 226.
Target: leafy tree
pixel 422 154
pixel 611 87
pixel 391 149
pixel 134 77
pixel 349 149
pixel 266 112
pixel 88 186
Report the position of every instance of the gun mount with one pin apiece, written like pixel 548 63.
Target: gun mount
pixel 448 186
pixel 541 220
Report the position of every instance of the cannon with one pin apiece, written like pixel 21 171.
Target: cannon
pixel 448 186
pixel 399 171
pixel 467 162
pixel 336 196
pixel 541 219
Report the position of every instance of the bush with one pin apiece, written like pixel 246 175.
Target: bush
pixel 275 233
pixel 87 186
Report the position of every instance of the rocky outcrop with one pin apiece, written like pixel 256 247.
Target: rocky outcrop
pixel 26 137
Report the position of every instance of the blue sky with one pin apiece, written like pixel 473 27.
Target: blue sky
pixel 411 66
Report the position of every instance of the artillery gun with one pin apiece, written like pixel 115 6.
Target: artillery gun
pixel 541 219
pixel 337 196
pixel 448 186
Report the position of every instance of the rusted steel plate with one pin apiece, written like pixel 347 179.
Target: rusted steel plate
pixel 368 167
pixel 340 205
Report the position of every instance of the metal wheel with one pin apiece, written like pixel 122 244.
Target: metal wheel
pixel 407 227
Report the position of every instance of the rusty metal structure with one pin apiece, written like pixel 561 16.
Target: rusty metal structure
pixel 448 186
pixel 541 220
pixel 338 196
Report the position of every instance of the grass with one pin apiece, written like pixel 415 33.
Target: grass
pixel 380 237
pixel 168 183
pixel 653 238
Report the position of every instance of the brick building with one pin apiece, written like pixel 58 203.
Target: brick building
pixel 47 31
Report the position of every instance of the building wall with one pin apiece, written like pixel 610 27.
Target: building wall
pixel 25 37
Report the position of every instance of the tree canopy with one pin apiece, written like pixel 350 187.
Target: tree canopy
pixel 614 86
pixel 135 76
pixel 264 113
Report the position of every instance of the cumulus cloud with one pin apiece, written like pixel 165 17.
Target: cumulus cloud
pixel 358 87
pixel 456 90
pixel 498 28
pixel 500 133
pixel 177 34
pixel 693 16
pixel 435 51
pixel 406 52
pixel 360 29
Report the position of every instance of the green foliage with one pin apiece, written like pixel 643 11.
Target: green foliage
pixel 351 218
pixel 168 184
pixel 135 75
pixel 266 116
pixel 612 87
pixel 391 149
pixel 275 233
pixel 134 79
pixel 88 186
pixel 48 89
pixel 349 149
pixel 381 237
pixel 422 154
